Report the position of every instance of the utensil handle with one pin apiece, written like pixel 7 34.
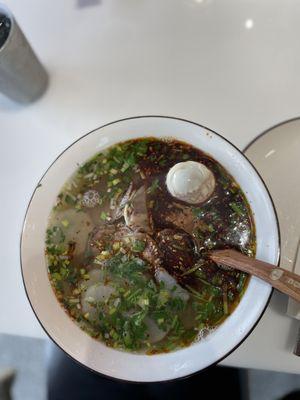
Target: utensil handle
pixel 285 281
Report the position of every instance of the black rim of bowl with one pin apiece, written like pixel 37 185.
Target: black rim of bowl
pixel 278 256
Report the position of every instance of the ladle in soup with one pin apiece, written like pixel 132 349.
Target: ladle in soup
pixel 285 281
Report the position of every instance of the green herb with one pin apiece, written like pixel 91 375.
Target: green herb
pixel 230 296
pixel 195 293
pixel 54 236
pixel 210 228
pixel 103 215
pixel 138 246
pixel 241 283
pixel 191 270
pixel 206 282
pixel 125 167
pixel 70 200
pixel 116 181
pixel 225 302
pixel 237 208
pixel 162 162
pixel 56 276
pixel 198 212
pixel 154 186
pixel 206 311
pixel 217 279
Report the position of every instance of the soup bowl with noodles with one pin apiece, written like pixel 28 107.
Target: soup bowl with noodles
pixel 115 248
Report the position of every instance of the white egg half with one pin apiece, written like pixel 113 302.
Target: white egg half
pixel 190 181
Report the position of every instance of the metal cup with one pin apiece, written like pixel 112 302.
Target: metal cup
pixel 22 76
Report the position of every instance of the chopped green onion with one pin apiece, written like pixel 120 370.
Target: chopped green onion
pixel 225 302
pixel 241 283
pixel 138 246
pixel 70 200
pixel 154 186
pixel 103 216
pixel 116 181
pixel 191 270
pixel 195 293
pixel 56 276
pixel 237 208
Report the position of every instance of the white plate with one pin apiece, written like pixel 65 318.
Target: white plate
pixel 276 154
pixel 76 342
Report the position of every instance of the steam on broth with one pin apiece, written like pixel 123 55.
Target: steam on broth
pixel 129 262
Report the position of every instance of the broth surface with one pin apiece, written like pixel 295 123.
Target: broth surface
pixel 129 262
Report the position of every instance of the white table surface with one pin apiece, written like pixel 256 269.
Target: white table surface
pixel 232 65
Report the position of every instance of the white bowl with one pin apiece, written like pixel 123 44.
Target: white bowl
pixel 79 345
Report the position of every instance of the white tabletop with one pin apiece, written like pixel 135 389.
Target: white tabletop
pixel 230 65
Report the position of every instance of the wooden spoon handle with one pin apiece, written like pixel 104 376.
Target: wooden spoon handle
pixel 285 281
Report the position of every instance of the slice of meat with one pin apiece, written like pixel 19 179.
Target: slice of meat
pixel 181 216
pixel 100 236
pixel 117 206
pixel 111 233
pixel 150 252
pixel 178 250
pixel 136 212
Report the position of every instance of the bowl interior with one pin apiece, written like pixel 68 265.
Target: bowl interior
pixel 63 330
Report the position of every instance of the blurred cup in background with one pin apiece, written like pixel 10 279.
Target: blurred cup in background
pixel 22 76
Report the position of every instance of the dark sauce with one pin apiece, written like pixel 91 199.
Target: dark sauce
pixel 224 221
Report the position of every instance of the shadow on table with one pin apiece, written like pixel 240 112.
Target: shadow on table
pixel 69 380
